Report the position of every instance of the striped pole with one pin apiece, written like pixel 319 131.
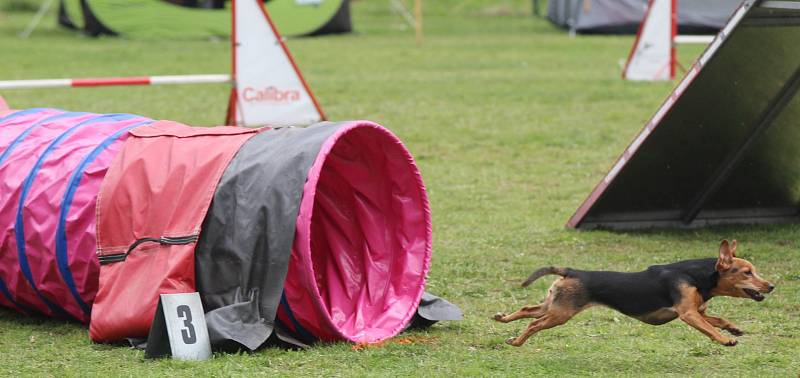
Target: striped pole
pixel 697 39
pixel 115 81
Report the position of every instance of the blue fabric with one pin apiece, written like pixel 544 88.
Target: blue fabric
pixel 302 334
pixel 7 294
pixel 19 226
pixel 21 113
pixel 62 253
pixel 19 139
pixel 29 130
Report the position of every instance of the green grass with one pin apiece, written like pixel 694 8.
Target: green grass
pixel 512 123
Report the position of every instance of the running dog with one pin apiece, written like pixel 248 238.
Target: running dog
pixel 655 296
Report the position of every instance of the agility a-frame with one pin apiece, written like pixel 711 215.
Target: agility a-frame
pixel 723 148
pixel 267 86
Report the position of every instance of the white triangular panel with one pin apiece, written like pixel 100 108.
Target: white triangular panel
pixel 269 88
pixel 652 56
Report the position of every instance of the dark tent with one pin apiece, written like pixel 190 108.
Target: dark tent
pixel 624 16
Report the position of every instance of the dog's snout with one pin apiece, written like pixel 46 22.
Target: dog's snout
pixel 770 288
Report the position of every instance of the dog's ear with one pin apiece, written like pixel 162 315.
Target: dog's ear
pixel 733 248
pixel 725 257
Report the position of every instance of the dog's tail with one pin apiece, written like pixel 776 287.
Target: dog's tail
pixel 543 272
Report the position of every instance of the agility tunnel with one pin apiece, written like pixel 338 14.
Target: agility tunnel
pixel 309 234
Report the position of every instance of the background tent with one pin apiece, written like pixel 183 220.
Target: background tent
pixel 624 16
pixel 160 19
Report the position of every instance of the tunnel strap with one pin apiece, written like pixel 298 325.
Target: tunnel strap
pixel 164 240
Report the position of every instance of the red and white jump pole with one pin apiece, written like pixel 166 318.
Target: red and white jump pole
pixel 268 88
pixel 115 81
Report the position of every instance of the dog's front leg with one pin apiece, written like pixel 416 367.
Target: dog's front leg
pixel 723 323
pixel 690 309
pixel 696 320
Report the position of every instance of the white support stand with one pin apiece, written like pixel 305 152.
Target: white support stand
pixel 653 56
pixel 179 329
pixel 36 19
pixel 413 20
pixel 268 87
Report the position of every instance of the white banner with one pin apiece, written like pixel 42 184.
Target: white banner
pixel 269 89
pixel 653 54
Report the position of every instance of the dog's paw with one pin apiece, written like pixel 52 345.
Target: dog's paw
pixel 730 342
pixel 510 341
pixel 499 317
pixel 735 331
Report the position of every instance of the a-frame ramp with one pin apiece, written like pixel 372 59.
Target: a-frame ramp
pixel 725 146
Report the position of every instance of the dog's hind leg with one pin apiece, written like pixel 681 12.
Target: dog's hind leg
pixel 567 298
pixel 536 311
pixel 549 320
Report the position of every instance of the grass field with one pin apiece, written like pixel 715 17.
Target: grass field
pixel 512 123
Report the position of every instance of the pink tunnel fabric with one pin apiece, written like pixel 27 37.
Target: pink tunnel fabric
pixel 363 240
pixel 52 166
pixel 13 125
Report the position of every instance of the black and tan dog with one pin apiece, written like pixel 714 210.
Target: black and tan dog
pixel 655 296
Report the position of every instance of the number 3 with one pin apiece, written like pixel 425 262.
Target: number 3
pixel 188 334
